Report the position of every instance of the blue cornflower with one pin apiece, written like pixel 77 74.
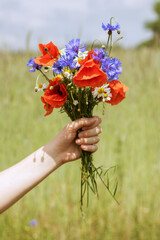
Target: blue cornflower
pixel 109 27
pixel 58 67
pixel 66 60
pixel 74 46
pixel 100 54
pixel 33 222
pixel 34 65
pixel 112 67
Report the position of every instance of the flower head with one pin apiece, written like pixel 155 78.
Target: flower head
pixel 33 65
pixel 89 56
pixel 40 87
pixel 33 222
pixel 109 27
pixel 103 92
pixel 68 74
pixel 47 107
pixel 118 91
pixel 50 54
pixel 99 54
pixel 55 94
pixel 66 60
pixel 74 46
pixel 81 56
pixel 90 75
pixel 58 67
pixel 112 67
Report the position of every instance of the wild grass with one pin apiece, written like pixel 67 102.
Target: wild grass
pixel 130 138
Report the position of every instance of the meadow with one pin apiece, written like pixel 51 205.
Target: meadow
pixel 130 139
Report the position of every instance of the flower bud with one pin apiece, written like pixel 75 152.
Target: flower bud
pixel 36 89
pixel 109 32
pixel 103 46
pixel 75 102
pixel 118 31
pixel 46 49
pixel 51 87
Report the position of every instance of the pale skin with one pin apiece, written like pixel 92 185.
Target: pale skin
pixel 19 179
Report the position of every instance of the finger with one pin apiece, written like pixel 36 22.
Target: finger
pixel 80 123
pixel 98 120
pixel 89 148
pixel 90 132
pixel 88 141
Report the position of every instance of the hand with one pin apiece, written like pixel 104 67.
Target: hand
pixel 67 145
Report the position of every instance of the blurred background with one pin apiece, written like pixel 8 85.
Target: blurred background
pixel 63 20
pixel 131 130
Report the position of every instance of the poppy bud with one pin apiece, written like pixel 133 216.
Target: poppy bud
pixel 103 46
pixel 46 49
pixel 109 32
pixel 118 31
pixel 51 87
pixel 36 89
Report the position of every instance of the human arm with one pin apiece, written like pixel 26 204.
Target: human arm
pixel 17 180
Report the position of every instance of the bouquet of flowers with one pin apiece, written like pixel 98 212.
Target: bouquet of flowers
pixel 77 80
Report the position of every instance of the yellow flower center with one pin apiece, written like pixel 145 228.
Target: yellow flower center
pixel 101 90
pixel 68 70
pixel 58 75
pixel 40 85
pixel 105 95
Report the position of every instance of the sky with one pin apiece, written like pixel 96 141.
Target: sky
pixel 62 20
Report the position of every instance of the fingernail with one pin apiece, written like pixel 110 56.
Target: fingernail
pixel 78 141
pixel 84 147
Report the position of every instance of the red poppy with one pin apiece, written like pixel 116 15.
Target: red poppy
pixel 90 75
pixel 55 94
pixel 118 91
pixel 50 54
pixel 88 57
pixel 47 107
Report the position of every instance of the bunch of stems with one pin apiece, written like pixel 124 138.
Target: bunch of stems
pixel 84 108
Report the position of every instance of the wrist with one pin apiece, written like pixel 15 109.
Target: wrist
pixel 51 150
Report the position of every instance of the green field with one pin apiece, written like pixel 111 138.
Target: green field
pixel 130 138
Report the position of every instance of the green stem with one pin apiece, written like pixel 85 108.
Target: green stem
pixel 44 75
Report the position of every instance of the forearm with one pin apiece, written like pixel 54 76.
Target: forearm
pixel 16 181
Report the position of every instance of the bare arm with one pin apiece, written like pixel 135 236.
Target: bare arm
pixel 17 180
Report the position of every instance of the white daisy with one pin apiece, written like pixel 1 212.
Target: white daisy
pixel 81 56
pixel 103 92
pixel 62 51
pixel 40 87
pixel 68 74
